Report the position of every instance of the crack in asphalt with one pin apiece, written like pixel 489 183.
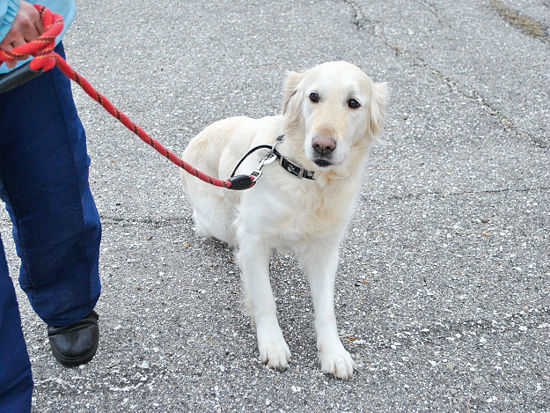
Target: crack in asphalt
pixel 358 18
pixel 176 221
pixel 434 10
pixel 152 222
pixel 475 96
pixel 458 331
pixel 360 21
pixel 440 194
pixel 522 22
pixel 128 222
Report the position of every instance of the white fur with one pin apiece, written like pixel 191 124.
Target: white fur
pixel 282 211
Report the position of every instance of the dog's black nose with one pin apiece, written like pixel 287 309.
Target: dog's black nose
pixel 323 145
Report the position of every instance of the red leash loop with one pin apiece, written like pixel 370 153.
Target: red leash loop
pixel 45 58
pixel 42 47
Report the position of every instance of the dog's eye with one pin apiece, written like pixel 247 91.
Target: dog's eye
pixel 353 104
pixel 314 97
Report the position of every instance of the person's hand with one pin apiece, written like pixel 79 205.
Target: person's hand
pixel 26 27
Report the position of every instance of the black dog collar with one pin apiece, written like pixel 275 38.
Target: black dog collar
pixel 273 154
pixel 289 166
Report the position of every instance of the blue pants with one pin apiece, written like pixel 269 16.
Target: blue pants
pixel 44 183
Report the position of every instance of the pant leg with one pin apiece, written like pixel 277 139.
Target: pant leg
pixel 44 170
pixel 15 368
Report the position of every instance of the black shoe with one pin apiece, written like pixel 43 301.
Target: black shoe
pixel 76 343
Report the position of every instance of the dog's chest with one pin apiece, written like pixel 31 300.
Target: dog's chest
pixel 291 214
pixel 310 221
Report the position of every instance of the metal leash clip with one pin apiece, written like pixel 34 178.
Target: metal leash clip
pixel 270 157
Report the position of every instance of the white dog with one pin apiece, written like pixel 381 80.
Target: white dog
pixel 303 202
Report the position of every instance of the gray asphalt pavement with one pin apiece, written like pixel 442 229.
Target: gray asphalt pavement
pixel 444 280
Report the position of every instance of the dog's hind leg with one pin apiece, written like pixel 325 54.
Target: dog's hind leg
pixel 253 256
pixel 201 227
pixel 213 216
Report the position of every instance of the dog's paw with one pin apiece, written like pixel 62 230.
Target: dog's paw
pixel 274 351
pixel 337 362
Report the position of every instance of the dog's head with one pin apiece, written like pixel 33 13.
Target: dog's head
pixel 335 108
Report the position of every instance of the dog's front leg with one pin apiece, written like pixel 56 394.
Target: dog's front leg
pixel 321 262
pixel 253 257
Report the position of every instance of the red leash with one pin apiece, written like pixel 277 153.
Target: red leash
pixel 45 58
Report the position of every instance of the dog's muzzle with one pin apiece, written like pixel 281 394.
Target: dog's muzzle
pixel 323 148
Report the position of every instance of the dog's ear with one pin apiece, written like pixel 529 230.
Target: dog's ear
pixel 290 88
pixel 292 100
pixel 377 108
